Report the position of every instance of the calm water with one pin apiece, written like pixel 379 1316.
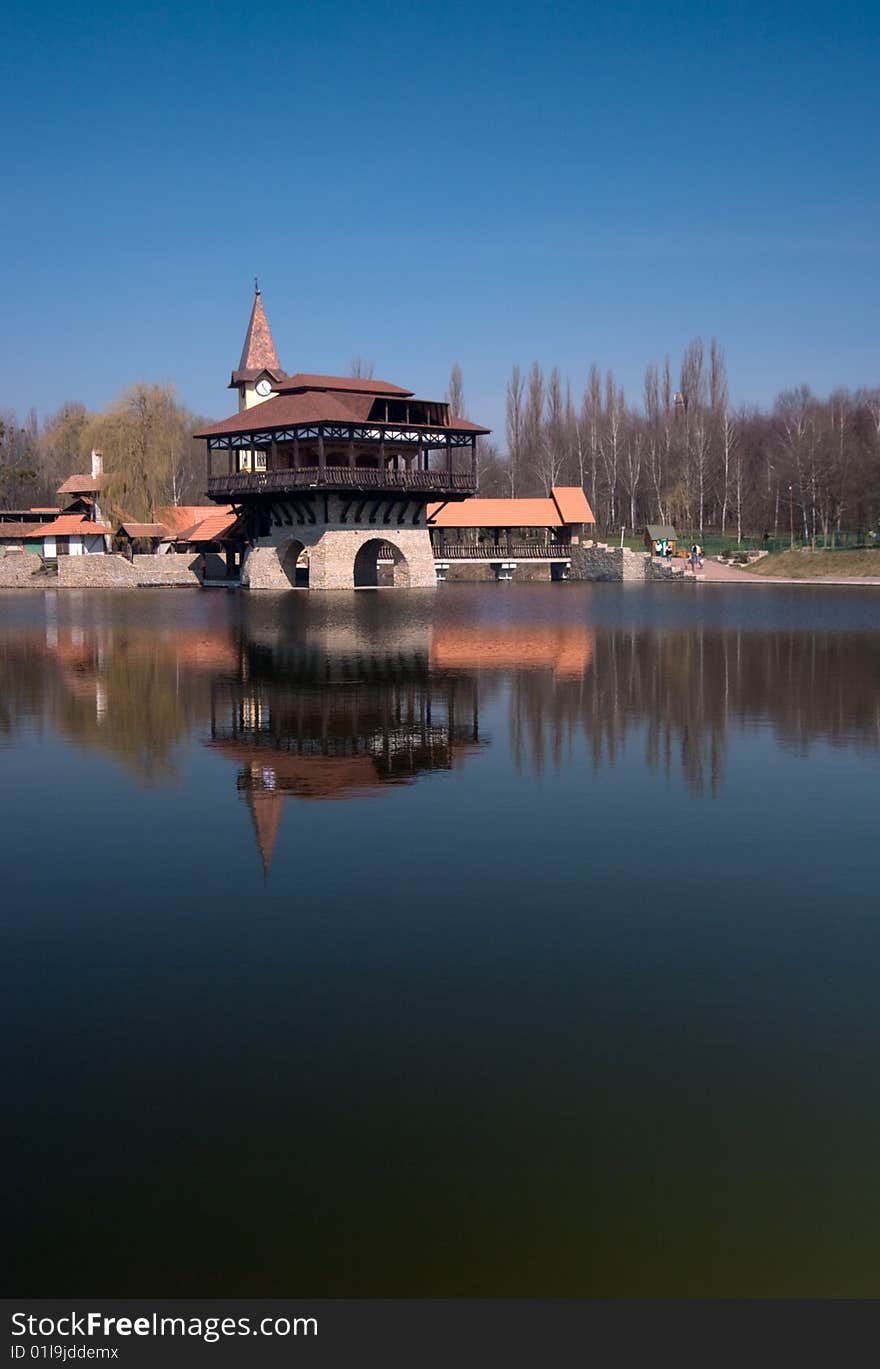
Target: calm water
pixel 498 941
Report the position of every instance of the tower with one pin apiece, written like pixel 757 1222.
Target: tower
pixel 331 476
pixel 259 370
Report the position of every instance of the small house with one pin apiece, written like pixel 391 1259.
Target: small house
pixel 660 539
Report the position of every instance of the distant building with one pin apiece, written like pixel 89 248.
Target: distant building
pixel 74 529
pixel 660 538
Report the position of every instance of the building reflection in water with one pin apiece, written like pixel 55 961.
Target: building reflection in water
pixel 342 699
pixel 337 734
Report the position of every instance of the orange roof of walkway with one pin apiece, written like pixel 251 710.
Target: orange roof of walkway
pixel 566 504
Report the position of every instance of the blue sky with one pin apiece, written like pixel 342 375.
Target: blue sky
pixel 492 183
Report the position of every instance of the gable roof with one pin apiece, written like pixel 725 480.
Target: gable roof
pixel 82 484
pixel 178 517
pixel 567 504
pixel 495 513
pixel 143 529
pixel 572 504
pixel 662 532
pixel 72 525
pixel 196 522
pixel 209 529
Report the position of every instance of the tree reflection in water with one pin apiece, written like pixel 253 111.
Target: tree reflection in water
pixel 340 697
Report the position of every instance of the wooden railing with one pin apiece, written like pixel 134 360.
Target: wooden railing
pixel 512 551
pixel 341 478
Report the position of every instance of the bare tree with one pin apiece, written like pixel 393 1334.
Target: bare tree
pixel 19 459
pixel 361 369
pixel 729 444
pixel 696 432
pixel 610 440
pixel 455 392
pixel 515 429
pixel 655 450
pixel 592 418
pixel 551 447
pixel 64 447
pixel 719 453
pixel 533 421
pixel 633 452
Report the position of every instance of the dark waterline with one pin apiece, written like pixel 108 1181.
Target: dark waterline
pixel 500 941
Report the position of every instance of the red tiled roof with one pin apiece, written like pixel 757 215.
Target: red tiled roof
pixel 572 504
pixel 350 384
pixel 567 505
pixel 216 525
pixel 72 525
pixel 177 518
pixel 143 529
pixel 197 522
pixel 495 513
pixel 82 484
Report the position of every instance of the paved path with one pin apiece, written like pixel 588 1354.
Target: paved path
pixel 714 573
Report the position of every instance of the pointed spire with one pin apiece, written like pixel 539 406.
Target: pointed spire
pixel 265 806
pixel 258 353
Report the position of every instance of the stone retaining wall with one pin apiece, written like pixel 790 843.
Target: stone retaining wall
pixel 116 572
pixel 596 561
pixel 95 572
pixel 17 571
pixel 173 568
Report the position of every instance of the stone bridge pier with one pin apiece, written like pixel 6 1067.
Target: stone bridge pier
pixel 341 558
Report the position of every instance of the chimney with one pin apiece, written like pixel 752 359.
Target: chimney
pixel 97 464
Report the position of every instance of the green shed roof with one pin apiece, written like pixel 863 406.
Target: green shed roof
pixel 662 532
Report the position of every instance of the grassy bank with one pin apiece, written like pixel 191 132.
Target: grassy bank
pixel 811 565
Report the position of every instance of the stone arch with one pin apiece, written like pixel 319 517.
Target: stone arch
pixel 368 574
pixel 288 556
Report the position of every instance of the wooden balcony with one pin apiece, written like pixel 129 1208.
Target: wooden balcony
pixel 449 484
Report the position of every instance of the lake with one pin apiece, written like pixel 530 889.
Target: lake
pixel 499 941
